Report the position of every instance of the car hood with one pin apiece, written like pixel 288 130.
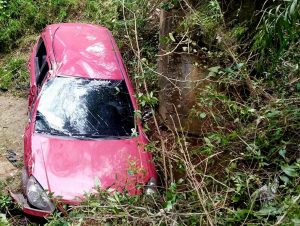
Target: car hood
pixel 69 167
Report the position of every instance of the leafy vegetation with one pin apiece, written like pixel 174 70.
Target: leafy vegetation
pixel 244 168
pixel 14 74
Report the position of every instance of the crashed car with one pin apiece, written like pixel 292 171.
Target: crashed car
pixel 82 129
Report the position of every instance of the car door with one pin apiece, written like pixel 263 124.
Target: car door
pixel 38 68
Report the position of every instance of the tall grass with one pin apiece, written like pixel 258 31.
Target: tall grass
pixel 277 30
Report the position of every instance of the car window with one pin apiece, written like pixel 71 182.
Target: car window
pixel 41 64
pixel 85 108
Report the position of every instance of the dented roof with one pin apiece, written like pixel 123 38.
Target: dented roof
pixel 83 50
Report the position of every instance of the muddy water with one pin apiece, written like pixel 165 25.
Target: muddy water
pixel 13 117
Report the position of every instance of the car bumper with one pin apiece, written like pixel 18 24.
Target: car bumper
pixel 23 203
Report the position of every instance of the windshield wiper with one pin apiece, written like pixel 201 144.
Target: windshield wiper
pixel 101 136
pixel 53 132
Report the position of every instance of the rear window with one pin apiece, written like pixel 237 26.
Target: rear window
pixel 85 108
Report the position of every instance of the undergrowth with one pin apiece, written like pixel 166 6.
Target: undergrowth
pixel 245 168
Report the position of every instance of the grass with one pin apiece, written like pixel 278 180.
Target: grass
pixel 244 169
pixel 13 73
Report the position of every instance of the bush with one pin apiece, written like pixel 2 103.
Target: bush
pixel 13 73
pixel 278 30
pixel 20 18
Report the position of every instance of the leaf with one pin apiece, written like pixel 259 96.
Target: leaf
pixel 172 37
pixel 235 198
pixel 286 15
pixel 130 172
pixel 266 211
pixel 293 6
pixel 202 115
pixel 296 221
pixel 214 69
pixel 97 182
pixel 111 199
pixel 298 86
pixel 239 66
pixel 229 70
pixel 284 178
pixel 168 206
pixel 3 219
pixel 117 197
pixel 273 113
pixel 282 153
pixel 277 9
pixel 185 49
pixel 290 170
pixel 208 143
pixel 210 74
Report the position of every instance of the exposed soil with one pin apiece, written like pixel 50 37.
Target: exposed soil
pixel 13 117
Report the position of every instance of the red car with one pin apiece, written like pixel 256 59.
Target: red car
pixel 82 130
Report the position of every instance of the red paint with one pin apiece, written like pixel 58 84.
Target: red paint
pixel 83 50
pixel 69 167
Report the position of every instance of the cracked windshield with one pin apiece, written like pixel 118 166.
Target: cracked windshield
pixel 85 108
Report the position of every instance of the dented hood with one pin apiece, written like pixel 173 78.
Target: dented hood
pixel 70 168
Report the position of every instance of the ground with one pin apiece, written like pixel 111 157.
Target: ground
pixel 13 117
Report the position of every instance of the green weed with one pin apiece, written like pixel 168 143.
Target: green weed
pixel 13 73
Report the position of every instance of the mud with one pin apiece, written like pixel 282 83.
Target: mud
pixel 13 117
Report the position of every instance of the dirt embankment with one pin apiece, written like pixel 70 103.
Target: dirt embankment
pixel 13 117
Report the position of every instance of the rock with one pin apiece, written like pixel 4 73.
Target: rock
pixel 180 82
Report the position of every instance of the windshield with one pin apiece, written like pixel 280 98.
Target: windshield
pixel 85 108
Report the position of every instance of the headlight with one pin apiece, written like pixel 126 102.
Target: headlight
pixel 151 188
pixel 37 196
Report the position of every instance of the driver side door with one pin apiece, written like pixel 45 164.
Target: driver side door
pixel 38 69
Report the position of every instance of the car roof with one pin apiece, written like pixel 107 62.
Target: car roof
pixel 83 50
